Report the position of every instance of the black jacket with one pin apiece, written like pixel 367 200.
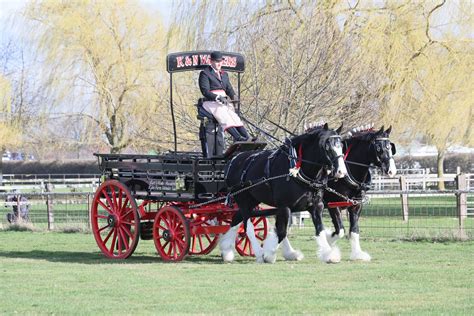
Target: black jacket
pixel 208 81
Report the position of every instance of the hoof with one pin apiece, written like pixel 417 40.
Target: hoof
pixel 334 256
pixel 259 259
pixel 360 256
pixel 269 257
pixel 227 256
pixel 294 256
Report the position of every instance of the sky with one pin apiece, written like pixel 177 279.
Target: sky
pixel 9 7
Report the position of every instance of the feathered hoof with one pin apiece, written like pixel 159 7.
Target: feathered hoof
pixel 269 257
pixel 259 258
pixel 294 256
pixel 360 256
pixel 330 255
pixel 227 256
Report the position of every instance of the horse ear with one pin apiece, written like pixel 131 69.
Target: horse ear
pixel 389 130
pixel 381 130
pixel 326 126
pixel 340 128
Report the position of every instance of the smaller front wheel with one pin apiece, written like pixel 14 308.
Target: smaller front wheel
pixel 171 234
pixel 242 243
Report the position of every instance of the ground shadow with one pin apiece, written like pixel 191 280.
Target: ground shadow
pixel 98 258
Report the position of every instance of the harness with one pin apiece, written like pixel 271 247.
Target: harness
pixel 364 186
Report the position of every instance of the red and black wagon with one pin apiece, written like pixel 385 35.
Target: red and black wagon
pixel 175 198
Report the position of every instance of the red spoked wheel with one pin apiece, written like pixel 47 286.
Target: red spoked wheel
pixel 242 243
pixel 203 244
pixel 171 234
pixel 114 220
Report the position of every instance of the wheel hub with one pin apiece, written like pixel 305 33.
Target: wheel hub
pixel 167 235
pixel 111 220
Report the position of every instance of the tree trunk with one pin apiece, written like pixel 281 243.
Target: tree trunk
pixel 2 151
pixel 441 169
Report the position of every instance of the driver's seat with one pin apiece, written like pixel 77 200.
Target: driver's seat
pixel 211 134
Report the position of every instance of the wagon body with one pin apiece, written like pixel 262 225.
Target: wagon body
pixel 176 199
pixel 176 177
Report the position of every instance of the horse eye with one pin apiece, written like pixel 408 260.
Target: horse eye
pixel 378 148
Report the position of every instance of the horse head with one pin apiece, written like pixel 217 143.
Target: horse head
pixel 382 151
pixel 324 146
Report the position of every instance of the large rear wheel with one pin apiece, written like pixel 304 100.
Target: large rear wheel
pixel 114 219
pixel 171 234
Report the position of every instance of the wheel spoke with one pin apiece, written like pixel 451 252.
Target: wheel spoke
pixel 107 197
pixel 124 238
pixel 119 202
pixel 125 202
pixel 239 242
pixel 108 236
pixel 247 244
pixel 200 241
pixel 127 231
pixel 114 198
pixel 101 229
pixel 180 243
pixel 105 206
pixel 161 227
pixel 114 240
pixel 193 244
pixel 126 214
pixel 101 216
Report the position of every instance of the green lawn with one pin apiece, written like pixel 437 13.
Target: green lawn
pixel 54 273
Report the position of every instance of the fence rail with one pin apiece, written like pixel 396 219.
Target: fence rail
pixel 389 213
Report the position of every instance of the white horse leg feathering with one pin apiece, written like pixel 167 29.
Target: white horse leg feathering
pixel 325 252
pixel 356 252
pixel 289 253
pixel 257 249
pixel 227 244
pixel 270 246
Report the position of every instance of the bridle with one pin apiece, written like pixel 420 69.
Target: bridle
pixel 376 148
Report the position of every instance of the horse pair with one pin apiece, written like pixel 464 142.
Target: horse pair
pixel 297 175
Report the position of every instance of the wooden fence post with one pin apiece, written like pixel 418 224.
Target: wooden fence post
pixel 404 198
pixel 461 203
pixel 49 206
pixel 89 210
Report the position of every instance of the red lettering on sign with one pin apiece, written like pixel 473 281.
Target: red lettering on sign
pixel 195 60
pixel 205 59
pixel 187 61
pixel 232 62
pixel 179 62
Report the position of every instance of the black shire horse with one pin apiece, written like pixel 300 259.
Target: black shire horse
pixel 295 173
pixel 362 150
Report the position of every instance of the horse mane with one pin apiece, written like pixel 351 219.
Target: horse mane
pixel 363 132
pixel 310 131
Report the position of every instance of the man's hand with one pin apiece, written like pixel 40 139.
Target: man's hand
pixel 221 99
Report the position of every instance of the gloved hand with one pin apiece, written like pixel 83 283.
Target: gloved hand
pixel 221 99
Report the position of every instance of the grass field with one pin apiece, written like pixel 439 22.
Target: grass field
pixel 56 273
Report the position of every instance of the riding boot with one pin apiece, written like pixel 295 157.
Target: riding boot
pixel 235 134
pixel 243 132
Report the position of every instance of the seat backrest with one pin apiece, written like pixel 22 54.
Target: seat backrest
pixel 201 111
